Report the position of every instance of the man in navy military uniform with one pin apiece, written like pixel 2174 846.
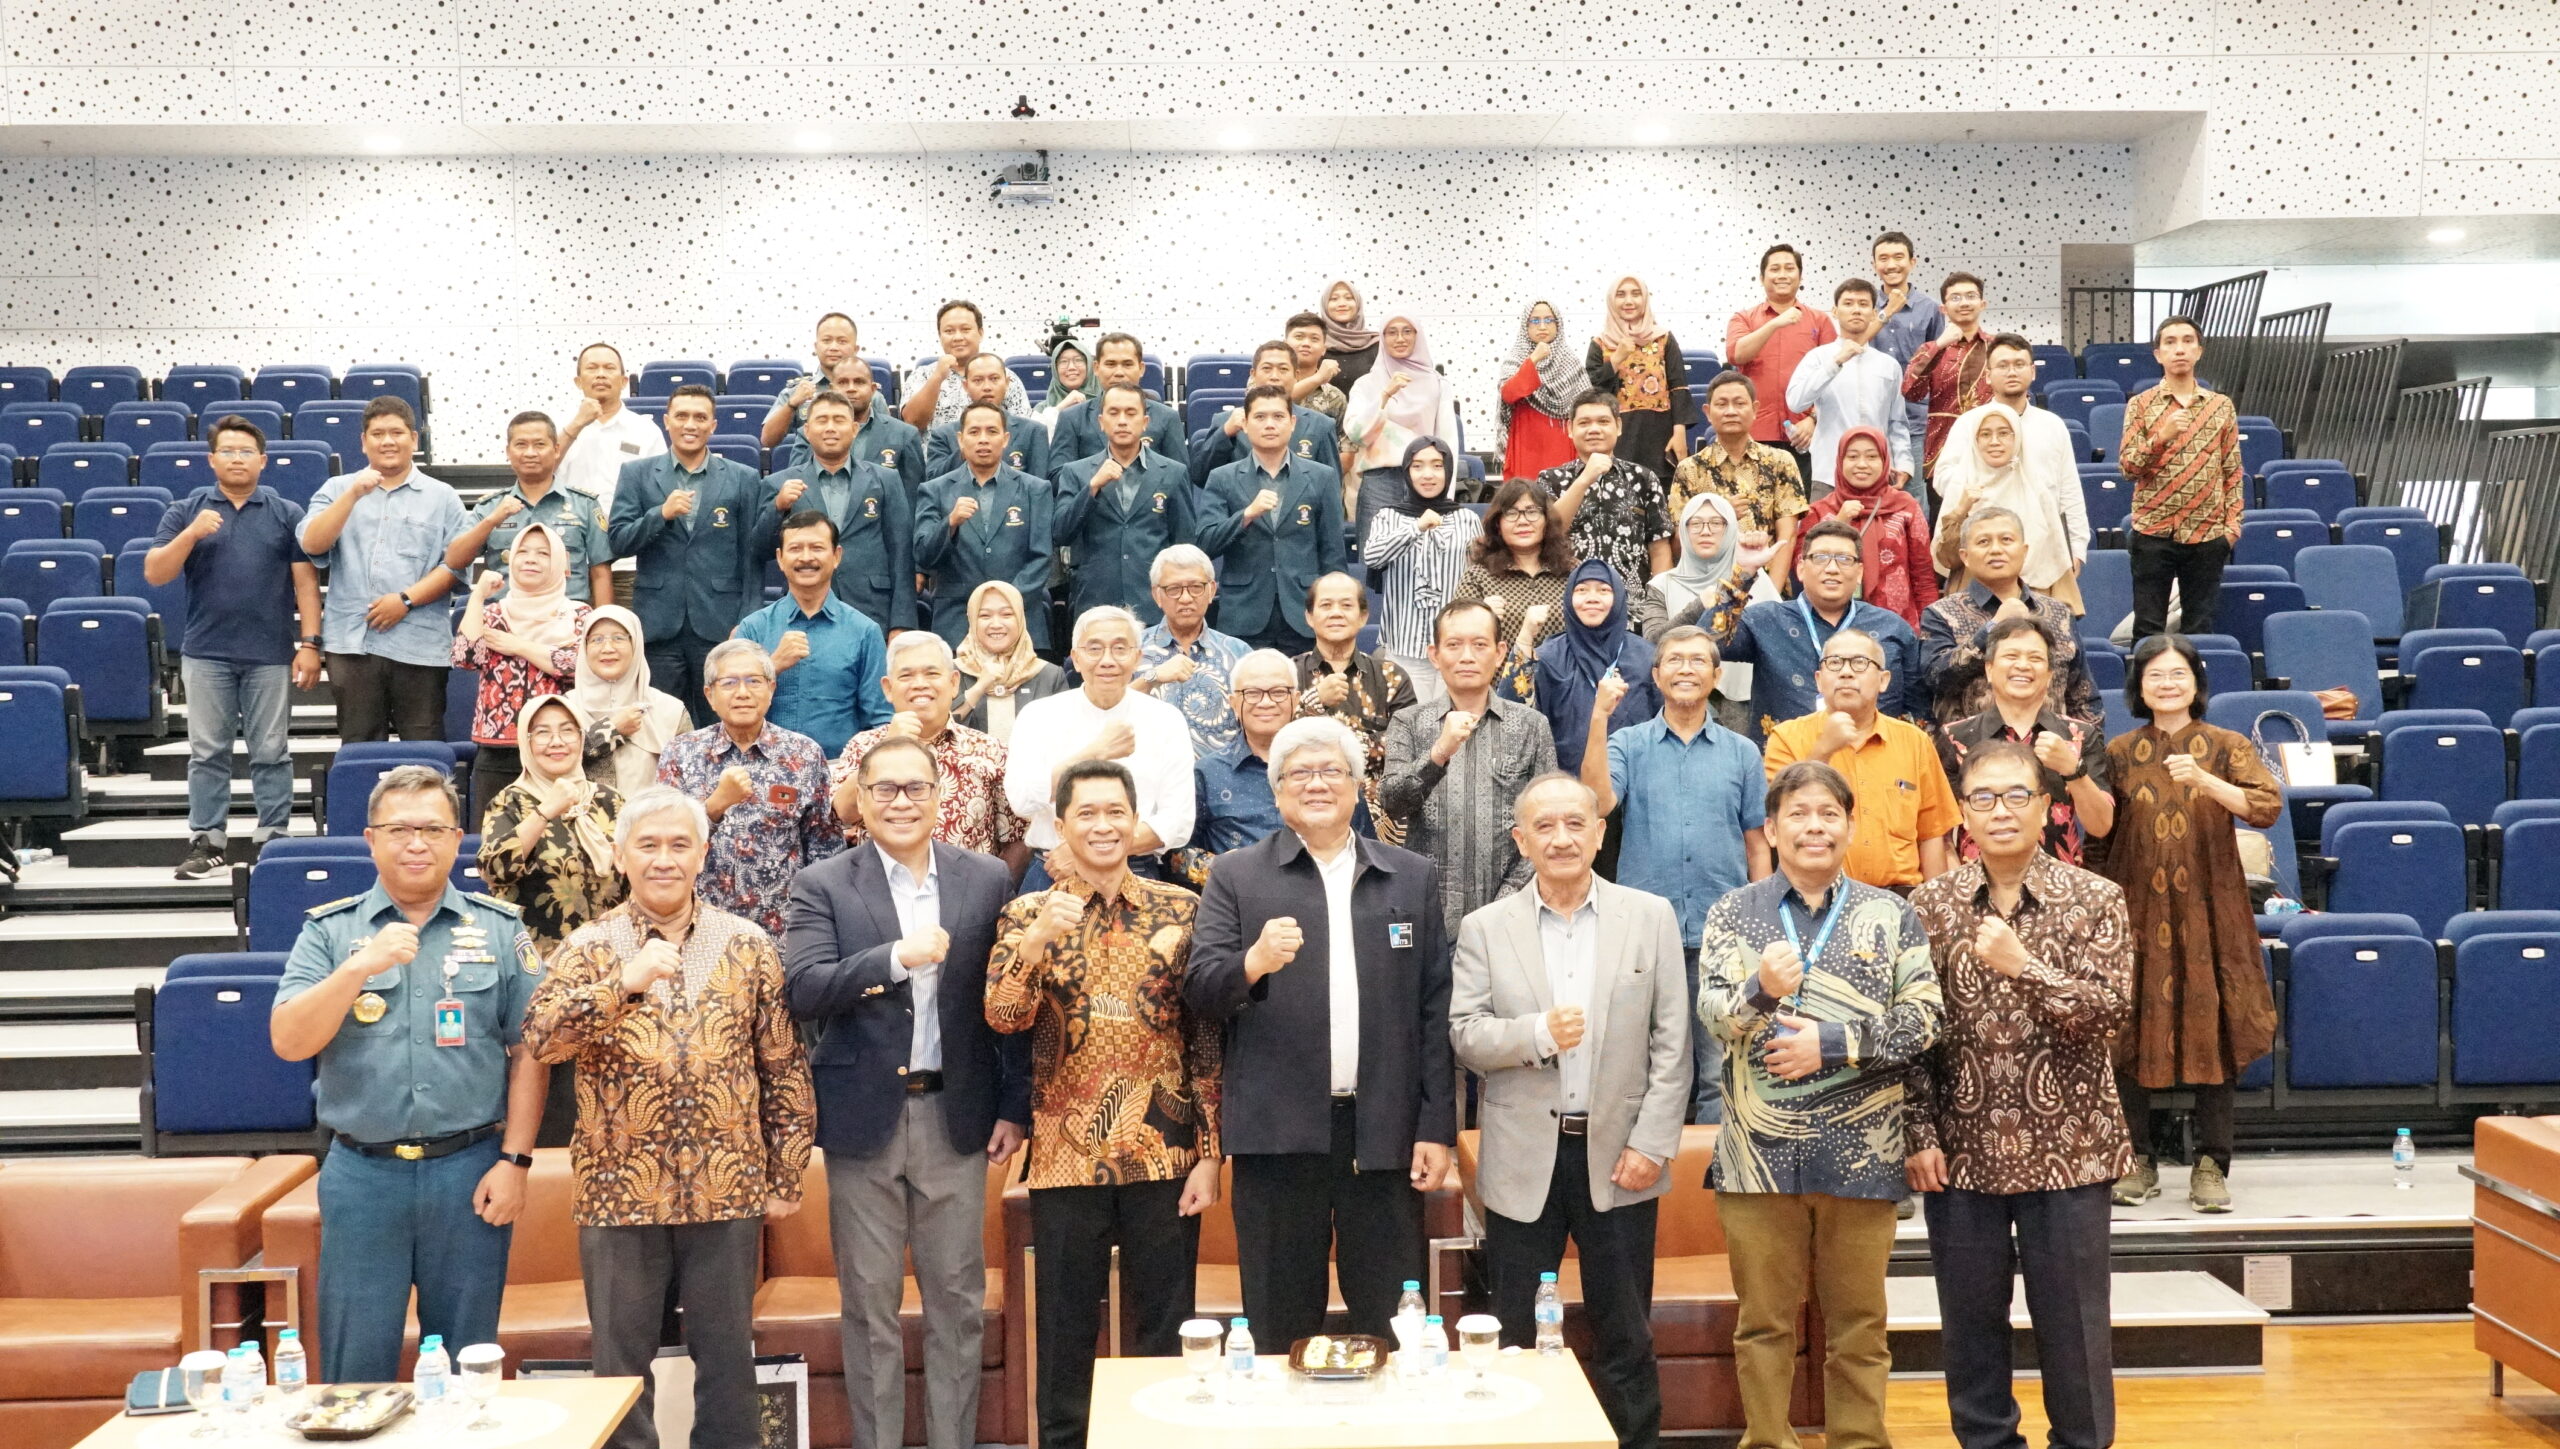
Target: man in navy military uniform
pixel 412 996
pixel 689 516
pixel 1120 508
pixel 873 515
pixel 1026 447
pixel 1276 519
pixel 984 520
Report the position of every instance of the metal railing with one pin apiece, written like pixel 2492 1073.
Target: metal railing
pixel 2283 359
pixel 2226 311
pixel 2434 458
pixel 2520 503
pixel 2357 386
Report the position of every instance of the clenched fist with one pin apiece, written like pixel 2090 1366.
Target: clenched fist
pixel 2057 754
pixel 1998 947
pixel 1333 689
pixel 1276 947
pixel 963 510
pixel 655 962
pixel 1607 695
pixel 1174 670
pixel 1839 732
pixel 205 524
pixel 1456 727
pixel 789 495
pixel 1109 473
pixel 1565 1026
pixel 1060 913
pixel 1263 502
pixel 734 788
pixel 925 947
pixel 793 649
pixel 678 504
pixel 1781 970
pixel 507 506
pixel 393 945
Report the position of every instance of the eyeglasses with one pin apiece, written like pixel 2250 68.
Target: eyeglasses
pixel 1116 649
pixel 743 681
pixel 1853 666
pixel 236 453
pixel 1191 589
pixel 401 833
pixel 884 792
pixel 1309 774
pixel 1828 562
pixel 2016 797
pixel 1401 332
pixel 1266 696
pixel 1528 511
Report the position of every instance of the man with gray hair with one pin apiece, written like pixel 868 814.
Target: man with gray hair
pixel 695 1117
pixel 430 1142
pixel 922 682
pixel 1235 786
pixel 1188 664
pixel 1955 631
pixel 1103 719
pixel 1324 955
pixel 763 788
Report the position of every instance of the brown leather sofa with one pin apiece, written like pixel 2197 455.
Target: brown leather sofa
pixel 1694 1307
pixel 98 1265
pixel 2515 1247
pixel 799 1310
pixel 544 1312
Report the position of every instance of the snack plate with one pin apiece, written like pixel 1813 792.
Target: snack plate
pixel 1326 1357
pixel 352 1411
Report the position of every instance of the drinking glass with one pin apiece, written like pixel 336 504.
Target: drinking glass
pixel 479 1366
pixel 200 1373
pixel 1203 1352
pixel 1480 1343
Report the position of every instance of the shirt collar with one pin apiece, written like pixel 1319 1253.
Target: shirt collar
pixel 899 876
pixel 1788 895
pixel 379 904
pixel 762 746
pixel 830 607
pixel 1989 603
pixel 1363 850
pixel 1590 906
pixel 1064 876
pixel 2032 888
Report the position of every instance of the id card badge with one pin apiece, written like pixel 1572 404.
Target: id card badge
pixel 449 1023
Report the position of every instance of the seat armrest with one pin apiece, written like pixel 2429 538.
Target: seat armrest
pixel 228 1228
pixel 292 1240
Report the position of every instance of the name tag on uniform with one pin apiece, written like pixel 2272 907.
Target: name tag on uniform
pixel 449 1023
pixel 1400 935
pixel 632 448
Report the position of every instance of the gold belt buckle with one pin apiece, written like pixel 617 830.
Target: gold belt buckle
pixel 408 1151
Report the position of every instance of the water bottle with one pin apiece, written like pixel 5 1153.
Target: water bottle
pixel 1239 1349
pixel 293 1369
pixel 1411 1301
pixel 433 1381
pixel 1435 1344
pixel 1410 1312
pixel 241 1391
pixel 2404 1160
pixel 1550 1316
pixel 257 1363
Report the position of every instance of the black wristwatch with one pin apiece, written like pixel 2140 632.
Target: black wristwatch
pixel 520 1159
pixel 403 597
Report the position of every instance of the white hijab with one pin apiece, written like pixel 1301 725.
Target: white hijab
pixel 1964 483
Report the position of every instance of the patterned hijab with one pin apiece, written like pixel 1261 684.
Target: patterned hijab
pixel 1560 378
pixel 1617 335
pixel 1348 336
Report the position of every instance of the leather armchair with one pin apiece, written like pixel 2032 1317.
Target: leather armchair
pixel 1694 1307
pixel 98 1276
pixel 2515 1247
pixel 800 1310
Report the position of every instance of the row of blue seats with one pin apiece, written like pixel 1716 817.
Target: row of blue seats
pixel 2320 491
pixel 295 468
pixel 41 430
pixel 2462 1008
pixel 202 387
pixel 37 573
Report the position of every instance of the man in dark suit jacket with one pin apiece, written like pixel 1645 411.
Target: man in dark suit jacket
pixel 885 949
pixel 870 507
pixel 1276 519
pixel 690 517
pixel 1324 953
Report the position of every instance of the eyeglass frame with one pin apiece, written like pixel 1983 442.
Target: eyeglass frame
pixel 2016 797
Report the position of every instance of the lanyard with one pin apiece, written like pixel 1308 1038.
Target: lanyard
pixel 1812 623
pixel 1821 937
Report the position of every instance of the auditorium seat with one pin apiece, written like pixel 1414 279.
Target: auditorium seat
pixel 2276 540
pixel 75 468
pixel 2322 485
pixel 97 388
pixel 2245 608
pixel 2418 868
pixel 2261 443
pixel 226 963
pixel 799 1310
pixel 25 384
pixel 1204 408
pixel 2359 576
pixel 2328 649
pixel 2468 675
pixel 271 418
pixel 339 425
pixel 2506 997
pixel 199 386
pixel 2106 495
pixel 885 373
pixel 402 380
pixel 2131 366
pixel 113 516
pixel 1031 369
pixel 280 888
pixel 2360 1009
pixel 211 1078
pixel 2106 590
pixel 33 427
pixel 661 379
pixel 2414 544
pixel 291 384
pixel 765 377
pixel 100 1275
pixel 178 474
pixel 742 416
pixel 43 570
pixel 40 776
pixel 2106 431
pixel 358 764
pixel 138 425
pixel 32 513
pixel 111 648
pixel 2538 759
pixel 2072 399
pixel 740 448
pixel 2054 363
pixel 2476 597
pixel 296 468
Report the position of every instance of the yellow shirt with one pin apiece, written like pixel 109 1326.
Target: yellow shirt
pixel 1901 790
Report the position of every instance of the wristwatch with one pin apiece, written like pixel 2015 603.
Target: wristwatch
pixel 309 641
pixel 520 1159
pixel 403 597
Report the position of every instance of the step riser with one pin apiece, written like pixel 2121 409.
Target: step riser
pixel 2188 1348
pixel 82 954
pixel 84 854
pixel 27 1074
pixel 306 765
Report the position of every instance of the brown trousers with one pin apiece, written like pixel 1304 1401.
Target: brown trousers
pixel 1780 1243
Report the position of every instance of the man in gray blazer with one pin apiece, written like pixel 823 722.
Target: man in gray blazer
pixel 1570 998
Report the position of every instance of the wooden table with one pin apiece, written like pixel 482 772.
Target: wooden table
pixel 1565 1415
pixel 593 1407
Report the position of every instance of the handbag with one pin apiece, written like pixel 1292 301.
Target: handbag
pixel 2337 703
pixel 2296 762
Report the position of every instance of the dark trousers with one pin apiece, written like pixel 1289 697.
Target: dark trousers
pixel 1298 1213
pixel 1283 638
pixel 1616 1249
pixel 1977 1242
pixel 2213 1117
pixel 1073 1230
pixel 387 1224
pixel 675 667
pixel 378 696
pixel 712 1267
pixel 493 768
pixel 2196 568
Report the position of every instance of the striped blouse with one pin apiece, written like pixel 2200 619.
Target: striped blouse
pixel 1418 570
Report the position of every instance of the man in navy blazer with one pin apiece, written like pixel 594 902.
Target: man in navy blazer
pixel 1323 952
pixel 689 515
pixel 1276 519
pixel 885 953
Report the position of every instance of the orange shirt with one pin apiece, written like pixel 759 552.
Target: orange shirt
pixel 1901 788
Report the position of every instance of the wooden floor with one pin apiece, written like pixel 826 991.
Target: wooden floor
pixel 2418 1385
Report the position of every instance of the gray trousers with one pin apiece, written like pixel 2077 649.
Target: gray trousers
pixel 919 1199
pixel 713 1269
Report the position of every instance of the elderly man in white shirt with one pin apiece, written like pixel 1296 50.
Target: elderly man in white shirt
pixel 1852 383
pixel 1103 720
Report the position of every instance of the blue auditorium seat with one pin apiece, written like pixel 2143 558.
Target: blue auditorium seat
pixel 359 764
pixel 227 963
pixel 2240 573
pixel 661 379
pixel 2106 494
pixel 394 379
pixel 282 887
pixel 2245 608
pixel 1225 371
pixel 2226 665
pixel 2106 591
pixel 740 416
pixel 41 571
pixel 739 448
pixel 31 513
pixel 1203 409
pixel 2506 1001
pixel 2054 362
pixel 2412 544
pixel 199 386
pixel 297 467
pixel 885 373
pixel 40 774
pixel 1698 364
pixel 291 384
pixel 1151 377
pixel 177 474
pixel 2129 365
pixel 168 600
pixel 2322 485
pixel 2276 540
pixel 96 389
pixel 270 418
pixel 116 516
pixel 2462 767
pixel 2418 868
pixel 339 425
pixel 111 647
pixel 2467 600
pixel 2538 765
pixel 2530 883
pixel 2328 649
pixel 34 427
pixel 75 468
pixel 213 1068
pixel 138 425
pixel 2485 677
pixel 1031 369
pixel 2106 666
pixel 2071 400
pixel 2360 1011
pixel 2359 576
pixel 2078 431
pixel 25 384
pixel 2119 720
pixel 765 377
pixel 2261 443
pixel 2106 431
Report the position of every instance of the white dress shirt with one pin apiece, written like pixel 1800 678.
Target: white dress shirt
pixel 595 458
pixel 1048 730
pixel 1570 945
pixel 1864 393
pixel 1342 962
pixel 919 904
pixel 2052 462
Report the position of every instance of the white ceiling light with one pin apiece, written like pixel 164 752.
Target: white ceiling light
pixel 810 140
pixel 1235 138
pixel 2445 236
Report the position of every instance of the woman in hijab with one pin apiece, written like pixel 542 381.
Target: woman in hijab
pixel 1399 400
pixel 547 845
pixel 1595 642
pixel 1416 552
pixel 1348 338
pixel 1893 534
pixel 1693 591
pixel 525 644
pixel 628 723
pixel 1070 381
pixel 1985 461
pixel 1537 398
pixel 998 672
pixel 1636 357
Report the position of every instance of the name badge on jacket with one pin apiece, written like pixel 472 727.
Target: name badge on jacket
pixel 1400 935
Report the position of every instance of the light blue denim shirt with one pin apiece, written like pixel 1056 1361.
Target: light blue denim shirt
pixel 392 539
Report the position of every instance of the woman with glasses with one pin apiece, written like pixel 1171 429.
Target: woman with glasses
pixel 1071 381
pixel 1521 563
pixel 1417 553
pixel 1403 398
pixel 1692 592
pixel 628 722
pixel 2018 663
pixel 1594 645
pixel 546 846
pixel 998 672
pixel 1537 398
pixel 2202 1011
pixel 523 645
pixel 1636 357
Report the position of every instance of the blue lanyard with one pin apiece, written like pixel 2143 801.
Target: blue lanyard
pixel 1813 625
pixel 1821 937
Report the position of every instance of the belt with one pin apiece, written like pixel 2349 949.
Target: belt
pixel 920 1082
pixel 1345 1099
pixel 420 1149
pixel 1574 1124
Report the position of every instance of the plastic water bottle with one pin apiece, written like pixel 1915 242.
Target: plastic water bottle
pixel 2404 1160
pixel 293 1368
pixel 244 1381
pixel 1435 1344
pixel 1239 1349
pixel 1550 1316
pixel 1411 1301
pixel 433 1381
